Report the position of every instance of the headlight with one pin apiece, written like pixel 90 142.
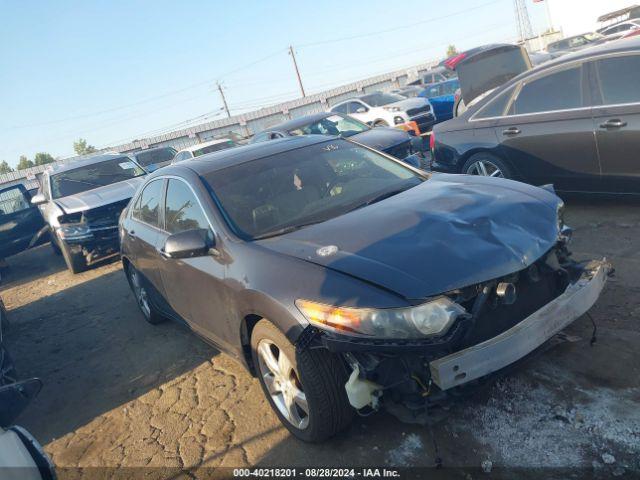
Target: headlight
pixel 431 318
pixel 74 232
pixel 392 109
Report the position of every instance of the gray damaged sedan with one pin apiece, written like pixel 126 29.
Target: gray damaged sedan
pixel 348 281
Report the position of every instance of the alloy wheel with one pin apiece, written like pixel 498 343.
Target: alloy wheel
pixel 485 168
pixel 140 293
pixel 283 384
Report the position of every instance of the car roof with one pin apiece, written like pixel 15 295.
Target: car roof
pixel 198 146
pixel 72 164
pixel 299 121
pixel 211 162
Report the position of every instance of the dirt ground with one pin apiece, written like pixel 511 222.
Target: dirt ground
pixel 120 392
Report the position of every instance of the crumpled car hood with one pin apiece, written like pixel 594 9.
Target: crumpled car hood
pixel 450 232
pixel 100 196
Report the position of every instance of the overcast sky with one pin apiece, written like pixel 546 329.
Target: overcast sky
pixel 118 70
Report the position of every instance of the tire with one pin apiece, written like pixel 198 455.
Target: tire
pixel 486 162
pixel 317 374
pixel 136 282
pixel 76 263
pixel 380 123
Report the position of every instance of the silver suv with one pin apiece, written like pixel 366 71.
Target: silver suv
pixel 81 202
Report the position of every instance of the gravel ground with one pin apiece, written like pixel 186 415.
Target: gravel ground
pixel 120 392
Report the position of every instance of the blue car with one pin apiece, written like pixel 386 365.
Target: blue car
pixel 442 98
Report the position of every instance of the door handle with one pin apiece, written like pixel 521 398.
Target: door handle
pixel 511 131
pixel 613 123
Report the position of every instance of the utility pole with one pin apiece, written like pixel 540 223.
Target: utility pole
pixel 295 65
pixel 224 100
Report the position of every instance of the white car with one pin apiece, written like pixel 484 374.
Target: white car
pixel 620 29
pixel 380 109
pixel 202 148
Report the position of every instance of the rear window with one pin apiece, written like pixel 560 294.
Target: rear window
pixel 214 148
pixel 95 175
pixel 380 99
pixel 558 91
pixel 619 79
pixel 154 157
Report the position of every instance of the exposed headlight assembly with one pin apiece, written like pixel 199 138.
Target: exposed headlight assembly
pixel 74 232
pixel 426 320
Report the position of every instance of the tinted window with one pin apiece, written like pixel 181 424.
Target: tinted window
pixel 153 157
pixel 497 106
pixel 332 125
pixel 147 206
pixel 289 190
pixel 340 108
pixel 353 107
pixel 182 210
pixel 181 156
pixel 12 201
pixel 88 177
pixel 619 77
pixel 557 91
pixel 260 137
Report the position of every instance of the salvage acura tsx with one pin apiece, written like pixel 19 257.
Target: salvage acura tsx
pixel 346 280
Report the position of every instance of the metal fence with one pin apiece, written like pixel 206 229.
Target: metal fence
pixel 246 124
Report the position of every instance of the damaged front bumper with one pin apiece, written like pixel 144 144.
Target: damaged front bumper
pixel 496 353
pixel 416 373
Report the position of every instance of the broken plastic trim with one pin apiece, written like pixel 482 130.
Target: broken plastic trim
pixel 500 351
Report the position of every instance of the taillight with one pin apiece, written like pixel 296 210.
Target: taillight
pixel 432 141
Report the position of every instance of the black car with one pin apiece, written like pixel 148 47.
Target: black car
pixel 573 122
pixel 347 280
pixel 397 143
pixel 21 224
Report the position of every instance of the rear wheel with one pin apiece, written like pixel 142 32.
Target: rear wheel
pixel 141 294
pixel 487 165
pixel 306 389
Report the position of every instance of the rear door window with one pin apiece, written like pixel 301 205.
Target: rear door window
pixel 13 200
pixel 182 210
pixel 147 206
pixel 619 79
pixel 496 107
pixel 557 91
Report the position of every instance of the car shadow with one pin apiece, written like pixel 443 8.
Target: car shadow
pixel 94 352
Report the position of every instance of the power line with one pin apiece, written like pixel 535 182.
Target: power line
pixel 400 27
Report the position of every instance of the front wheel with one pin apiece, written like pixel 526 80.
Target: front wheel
pixel 306 389
pixel 487 165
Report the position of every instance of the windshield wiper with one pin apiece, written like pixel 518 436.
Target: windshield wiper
pixel 379 198
pixel 282 231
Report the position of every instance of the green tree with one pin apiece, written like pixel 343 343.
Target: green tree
pixel 24 163
pixel 4 167
pixel 81 147
pixel 451 51
pixel 43 158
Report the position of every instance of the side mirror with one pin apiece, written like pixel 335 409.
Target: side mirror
pixel 361 110
pixel 38 199
pixel 188 244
